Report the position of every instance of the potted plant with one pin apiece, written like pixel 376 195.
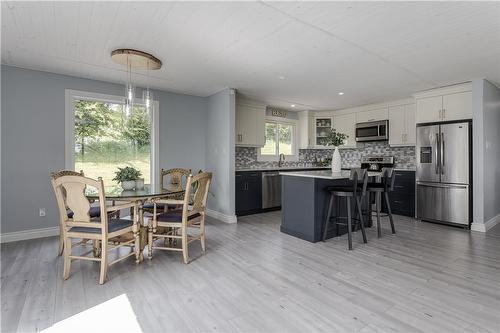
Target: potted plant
pixel 335 139
pixel 126 177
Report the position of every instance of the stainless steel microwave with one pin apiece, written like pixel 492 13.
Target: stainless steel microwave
pixel 372 131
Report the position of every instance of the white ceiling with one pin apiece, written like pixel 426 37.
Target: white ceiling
pixel 279 52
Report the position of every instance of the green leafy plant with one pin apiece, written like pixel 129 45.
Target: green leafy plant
pixel 334 138
pixel 126 174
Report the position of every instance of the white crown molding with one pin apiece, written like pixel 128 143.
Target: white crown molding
pixel 221 217
pixel 28 234
pixel 484 227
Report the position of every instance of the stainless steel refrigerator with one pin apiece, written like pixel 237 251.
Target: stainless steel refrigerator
pixel 443 154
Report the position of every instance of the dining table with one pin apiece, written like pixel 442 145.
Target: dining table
pixel 139 196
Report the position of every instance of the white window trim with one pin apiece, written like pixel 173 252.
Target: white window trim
pixel 69 127
pixel 289 158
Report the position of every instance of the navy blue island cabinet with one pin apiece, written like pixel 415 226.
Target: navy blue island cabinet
pixel 304 202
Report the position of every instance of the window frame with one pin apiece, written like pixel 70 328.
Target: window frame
pixel 69 127
pixel 272 158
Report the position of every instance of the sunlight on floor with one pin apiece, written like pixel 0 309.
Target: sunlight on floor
pixel 115 315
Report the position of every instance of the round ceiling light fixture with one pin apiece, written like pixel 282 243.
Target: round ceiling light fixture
pixel 341 93
pixel 136 59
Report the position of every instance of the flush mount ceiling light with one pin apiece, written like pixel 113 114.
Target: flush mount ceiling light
pixel 138 60
pixel 293 105
pixel 341 93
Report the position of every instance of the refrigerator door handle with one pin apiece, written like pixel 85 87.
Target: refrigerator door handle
pixel 437 153
pixel 442 153
pixel 441 185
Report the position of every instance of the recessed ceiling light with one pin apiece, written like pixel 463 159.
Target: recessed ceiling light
pixel 293 105
pixel 341 93
pixel 281 77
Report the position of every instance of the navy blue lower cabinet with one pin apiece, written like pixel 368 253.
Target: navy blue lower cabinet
pixel 402 199
pixel 248 193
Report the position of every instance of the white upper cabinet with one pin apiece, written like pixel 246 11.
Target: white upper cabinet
pixel 306 130
pixel 372 115
pixel 444 104
pixel 402 125
pixel 250 125
pixel 429 109
pixel 322 126
pixel 346 123
pixel 457 106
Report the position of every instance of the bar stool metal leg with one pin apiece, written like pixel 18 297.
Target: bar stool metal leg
pixel 349 222
pixel 377 204
pixel 389 212
pixel 361 221
pixel 328 216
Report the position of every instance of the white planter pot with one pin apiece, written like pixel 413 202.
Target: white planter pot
pixel 128 185
pixel 336 161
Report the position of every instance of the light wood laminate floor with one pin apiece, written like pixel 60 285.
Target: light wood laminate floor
pixel 428 278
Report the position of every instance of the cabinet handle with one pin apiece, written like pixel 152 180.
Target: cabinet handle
pixel 397 201
pixel 440 112
pixel 444 114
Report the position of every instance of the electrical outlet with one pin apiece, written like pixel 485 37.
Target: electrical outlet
pixel 41 212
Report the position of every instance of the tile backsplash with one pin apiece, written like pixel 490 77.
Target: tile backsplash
pixel 404 157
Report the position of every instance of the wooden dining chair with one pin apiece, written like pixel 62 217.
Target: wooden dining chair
pixel 70 193
pixel 174 224
pixel 172 179
pixel 94 211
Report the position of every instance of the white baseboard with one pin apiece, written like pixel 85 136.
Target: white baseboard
pixel 221 217
pixel 28 234
pixel 484 227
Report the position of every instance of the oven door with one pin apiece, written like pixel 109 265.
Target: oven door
pixel 372 131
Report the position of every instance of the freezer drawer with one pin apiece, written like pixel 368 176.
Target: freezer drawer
pixel 443 202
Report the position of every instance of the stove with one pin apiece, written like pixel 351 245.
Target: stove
pixel 376 163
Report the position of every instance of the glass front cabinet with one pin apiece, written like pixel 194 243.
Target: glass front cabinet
pixel 322 125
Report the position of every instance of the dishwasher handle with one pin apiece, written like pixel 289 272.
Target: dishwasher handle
pixel 270 174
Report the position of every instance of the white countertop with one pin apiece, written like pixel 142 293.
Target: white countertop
pixel 324 174
pixel 281 168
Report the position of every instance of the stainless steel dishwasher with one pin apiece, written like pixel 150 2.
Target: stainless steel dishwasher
pixel 271 189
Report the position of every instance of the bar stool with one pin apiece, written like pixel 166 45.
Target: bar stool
pixel 357 190
pixel 385 186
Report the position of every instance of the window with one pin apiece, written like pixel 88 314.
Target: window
pixel 280 139
pixel 102 136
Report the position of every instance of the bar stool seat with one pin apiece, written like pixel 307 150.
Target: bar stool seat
pixel 356 192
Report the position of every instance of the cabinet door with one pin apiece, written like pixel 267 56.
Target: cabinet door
pixel 248 192
pixel 346 124
pixel 457 106
pixel 397 125
pixel 372 115
pixel 305 131
pixel 249 125
pixel 322 125
pixel 410 131
pixel 429 109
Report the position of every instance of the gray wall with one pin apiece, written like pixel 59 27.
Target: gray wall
pixel 491 114
pixel 32 139
pixel 486 151
pixel 220 151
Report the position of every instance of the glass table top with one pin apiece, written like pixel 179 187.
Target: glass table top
pixel 116 192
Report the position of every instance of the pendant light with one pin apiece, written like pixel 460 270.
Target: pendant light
pixel 137 60
pixel 146 94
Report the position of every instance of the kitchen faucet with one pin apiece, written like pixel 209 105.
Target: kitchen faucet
pixel 282 160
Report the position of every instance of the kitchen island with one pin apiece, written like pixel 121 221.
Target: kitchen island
pixel 305 201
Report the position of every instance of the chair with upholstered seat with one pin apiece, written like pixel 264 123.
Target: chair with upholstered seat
pixel 70 194
pixel 177 222
pixel 94 211
pixel 171 179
